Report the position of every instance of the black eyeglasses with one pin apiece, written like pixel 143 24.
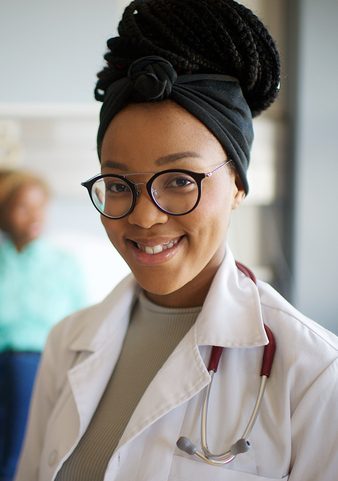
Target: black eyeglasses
pixel 173 191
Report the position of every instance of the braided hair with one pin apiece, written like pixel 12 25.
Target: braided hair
pixel 197 36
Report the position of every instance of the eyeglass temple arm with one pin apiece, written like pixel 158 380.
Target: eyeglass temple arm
pixel 209 174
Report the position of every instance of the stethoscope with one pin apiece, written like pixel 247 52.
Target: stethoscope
pixel 242 445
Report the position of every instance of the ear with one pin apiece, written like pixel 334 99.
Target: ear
pixel 239 193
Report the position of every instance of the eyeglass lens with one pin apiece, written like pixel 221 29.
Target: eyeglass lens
pixel 174 192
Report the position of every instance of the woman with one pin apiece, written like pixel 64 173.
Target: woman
pixel 39 285
pixel 122 382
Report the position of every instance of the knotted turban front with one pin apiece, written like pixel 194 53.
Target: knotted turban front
pixel 216 100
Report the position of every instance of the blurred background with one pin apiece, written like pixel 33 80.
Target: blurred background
pixel 287 228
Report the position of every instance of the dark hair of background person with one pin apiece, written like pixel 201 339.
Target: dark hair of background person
pixel 214 36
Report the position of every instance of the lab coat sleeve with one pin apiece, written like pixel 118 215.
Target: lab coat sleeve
pixel 43 400
pixel 315 430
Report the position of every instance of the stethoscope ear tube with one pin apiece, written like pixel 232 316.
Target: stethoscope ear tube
pixel 269 353
pixel 215 356
pixel 241 446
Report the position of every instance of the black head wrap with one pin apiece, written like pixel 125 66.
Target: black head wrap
pixel 216 100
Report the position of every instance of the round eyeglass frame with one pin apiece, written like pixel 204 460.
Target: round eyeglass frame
pixel 197 176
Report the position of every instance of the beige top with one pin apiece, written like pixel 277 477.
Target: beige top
pixel 152 335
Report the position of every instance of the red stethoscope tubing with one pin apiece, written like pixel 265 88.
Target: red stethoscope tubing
pixel 268 355
pixel 269 349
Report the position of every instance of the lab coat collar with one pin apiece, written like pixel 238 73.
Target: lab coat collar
pixel 231 315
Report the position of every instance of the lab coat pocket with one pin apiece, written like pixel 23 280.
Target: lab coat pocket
pixel 184 469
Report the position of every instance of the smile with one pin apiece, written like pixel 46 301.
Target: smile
pixel 157 249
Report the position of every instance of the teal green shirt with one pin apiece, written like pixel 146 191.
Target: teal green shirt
pixel 38 287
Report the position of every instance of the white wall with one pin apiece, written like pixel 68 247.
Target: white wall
pixel 50 50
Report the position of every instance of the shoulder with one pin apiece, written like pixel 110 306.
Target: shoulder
pixel 52 251
pixel 305 349
pixel 287 318
pixel 306 352
pixel 63 263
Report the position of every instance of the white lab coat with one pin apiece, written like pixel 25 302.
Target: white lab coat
pixel 295 436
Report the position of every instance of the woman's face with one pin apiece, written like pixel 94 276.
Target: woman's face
pixel 154 137
pixel 25 214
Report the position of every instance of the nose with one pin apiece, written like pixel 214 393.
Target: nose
pixel 36 214
pixel 32 213
pixel 145 213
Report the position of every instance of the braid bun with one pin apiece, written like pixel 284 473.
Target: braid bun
pixel 197 36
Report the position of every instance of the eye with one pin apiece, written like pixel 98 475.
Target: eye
pixel 117 187
pixel 178 181
pixel 181 182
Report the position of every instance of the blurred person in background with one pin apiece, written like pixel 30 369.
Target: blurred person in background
pixel 39 284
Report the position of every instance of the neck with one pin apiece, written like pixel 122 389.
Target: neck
pixel 192 294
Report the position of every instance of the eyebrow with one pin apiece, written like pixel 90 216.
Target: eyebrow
pixel 166 159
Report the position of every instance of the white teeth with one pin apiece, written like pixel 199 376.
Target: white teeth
pixel 152 250
pixel 157 249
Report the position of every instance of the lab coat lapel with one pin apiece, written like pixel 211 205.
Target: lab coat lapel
pixel 232 314
pixel 181 377
pixel 100 346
